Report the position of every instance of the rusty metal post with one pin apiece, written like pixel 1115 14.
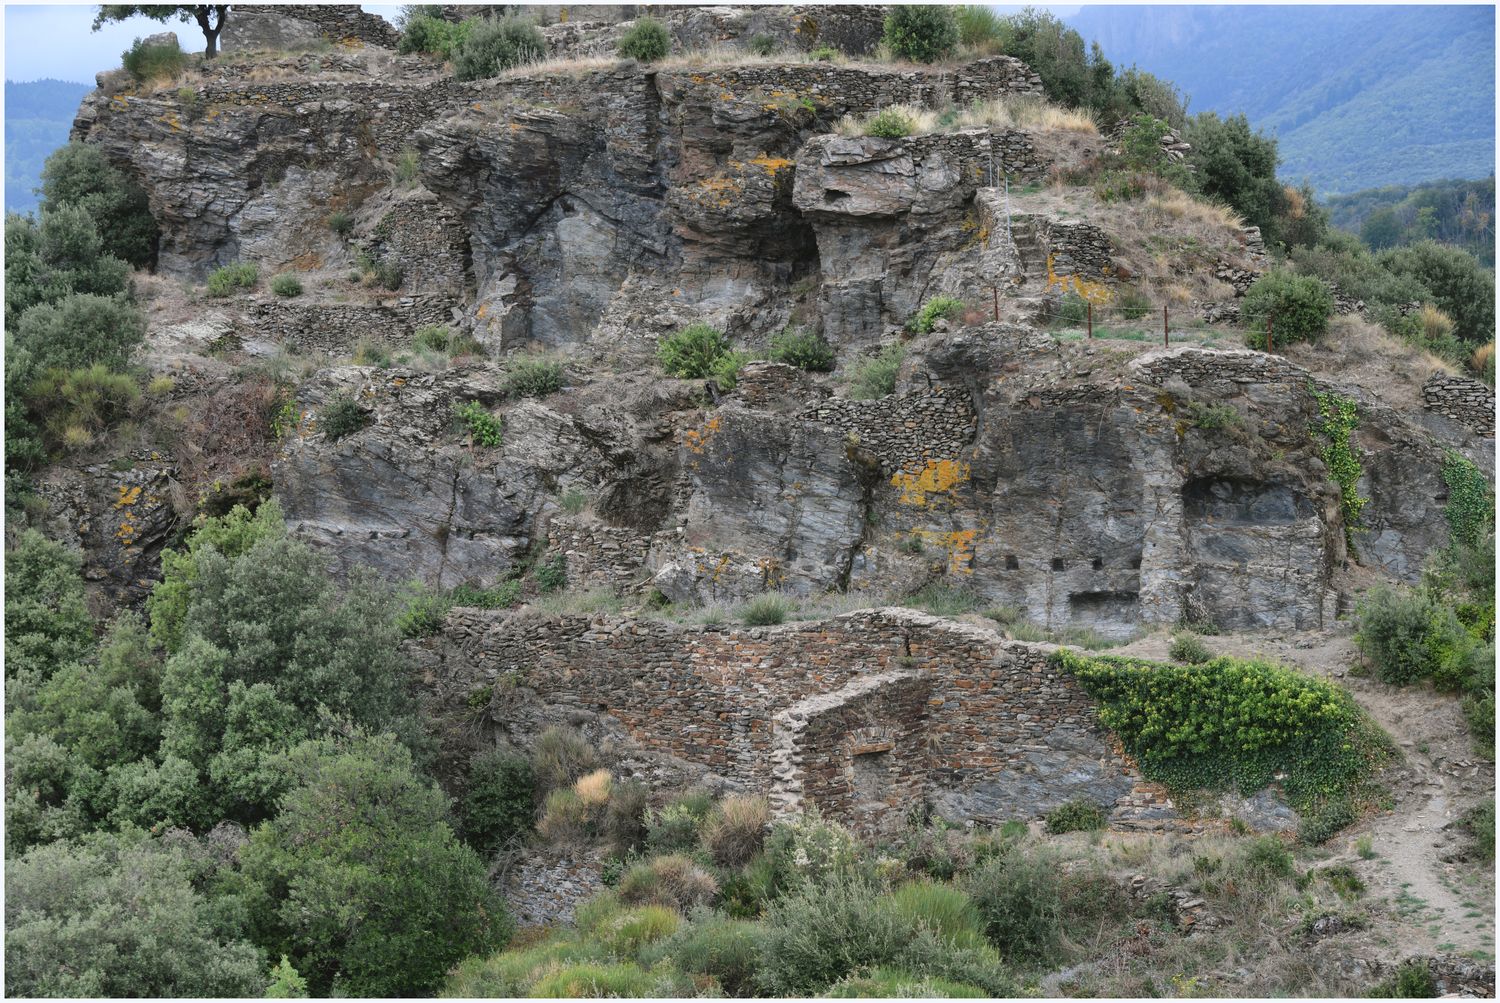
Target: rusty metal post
pixel 1269 349
pixel 1166 341
pixel 995 291
pixel 1091 320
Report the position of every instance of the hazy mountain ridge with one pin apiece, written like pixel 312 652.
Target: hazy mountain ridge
pixel 1360 97
pixel 38 115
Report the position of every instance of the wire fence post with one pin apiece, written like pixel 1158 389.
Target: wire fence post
pixel 1091 320
pixel 1269 349
pixel 1166 340
pixel 995 292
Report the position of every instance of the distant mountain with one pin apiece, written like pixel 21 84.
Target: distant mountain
pixel 38 115
pixel 1460 213
pixel 1359 97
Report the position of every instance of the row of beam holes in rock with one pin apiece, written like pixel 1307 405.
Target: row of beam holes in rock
pixel 1012 564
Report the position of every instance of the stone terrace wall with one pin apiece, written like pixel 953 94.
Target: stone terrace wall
pixel 542 889
pixel 906 432
pixel 339 21
pixel 1466 401
pixel 334 329
pixel 600 556
pixel 430 242
pixel 857 715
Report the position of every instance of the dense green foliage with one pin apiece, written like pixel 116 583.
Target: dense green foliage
pixel 484 428
pixel 47 623
pixel 695 352
pixel 209 17
pixel 1078 815
pixel 147 61
pixel 876 376
pixel 1455 282
pixel 231 278
pixel 286 285
pixel 500 802
pixel 493 45
pixel 921 34
pixel 1233 725
pixel 360 880
pixel 1457 213
pixel 646 41
pixel 534 377
pixel 342 416
pixel 1297 306
pixel 1337 419
pixel 118 916
pixel 804 349
pixel 889 123
pixel 432 35
pixel 79 175
pixel 939 307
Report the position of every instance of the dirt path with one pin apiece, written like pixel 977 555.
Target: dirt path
pixel 1425 904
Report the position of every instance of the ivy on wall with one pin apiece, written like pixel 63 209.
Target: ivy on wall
pixel 1337 418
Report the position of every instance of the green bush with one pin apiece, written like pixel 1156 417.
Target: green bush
pixel 943 908
pixel 625 817
pixel 1019 898
pixel 343 416
pixel 1479 822
pixel 978 26
pixel 766 611
pixel 1470 509
pixel 802 348
pixel 647 41
pixel 726 369
pixel 80 175
pixel 922 34
pixel 534 377
pixel 1072 309
pixel 499 800
pixel 809 849
pixel 763 45
pixel 433 36
pixel 945 307
pixel 727 949
pixel 692 352
pixel 823 54
pixel 1189 649
pixel 560 757
pixel 286 285
pixel 889 123
pixel 591 979
pixel 153 61
pixel 1298 305
pixel 79 331
pixel 1133 304
pixel 75 405
pixel 1337 418
pixel 1410 634
pixel 1232 724
pixel 675 881
pixel 223 281
pixel 677 826
pixel 493 46
pixel 512 973
pixel 341 223
pixel 1078 815
pixel 47 621
pixel 1412 980
pixel 876 377
pixel 484 428
pixel 552 575
pixel 1327 820
pixel 1457 284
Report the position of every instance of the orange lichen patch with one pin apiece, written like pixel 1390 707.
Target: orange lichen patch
pixel 771 164
pixel 483 311
pixel 696 440
pixel 1093 292
pixel 171 120
pixel 128 496
pixel 307 261
pixel 936 476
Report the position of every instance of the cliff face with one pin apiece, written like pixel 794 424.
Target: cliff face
pixel 592 208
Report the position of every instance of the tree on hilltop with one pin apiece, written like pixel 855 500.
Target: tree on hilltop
pixel 210 18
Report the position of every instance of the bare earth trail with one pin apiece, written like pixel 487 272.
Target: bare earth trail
pixel 1426 904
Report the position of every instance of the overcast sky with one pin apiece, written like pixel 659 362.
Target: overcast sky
pixel 54 40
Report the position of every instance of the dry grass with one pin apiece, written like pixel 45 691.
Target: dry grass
pixel 1481 357
pixel 594 788
pixel 1362 352
pixel 734 832
pixel 1022 113
pixel 1182 210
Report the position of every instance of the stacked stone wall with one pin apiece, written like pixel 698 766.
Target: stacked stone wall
pixel 338 22
pixel 334 329
pixel 981 727
pixel 600 556
pixel 542 888
pixel 430 242
pixel 1466 401
pixel 905 433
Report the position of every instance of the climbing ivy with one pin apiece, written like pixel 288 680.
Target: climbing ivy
pixel 1229 724
pixel 1337 417
pixel 1471 501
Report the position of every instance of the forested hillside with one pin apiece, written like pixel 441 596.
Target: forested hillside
pixel 38 114
pixel 1359 97
pixel 1461 213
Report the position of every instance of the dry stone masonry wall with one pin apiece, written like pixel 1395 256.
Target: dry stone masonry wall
pixel 1466 401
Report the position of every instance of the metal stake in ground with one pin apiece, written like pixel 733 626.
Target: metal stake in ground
pixel 1269 349
pixel 1166 341
pixel 1091 320
pixel 995 291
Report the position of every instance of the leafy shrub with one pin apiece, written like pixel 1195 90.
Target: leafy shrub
pixel 499 800
pixel 1072 309
pixel 553 575
pixel 766 611
pixel 1325 821
pixel 944 307
pixel 493 46
pixel 729 950
pixel 922 34
pixel 154 60
pixel 1470 509
pixel 676 827
pixel 341 223
pixel 1479 822
pixel 802 348
pixel 876 377
pixel 889 123
pixel 534 377
pixel 691 353
pixel 823 54
pixel 286 285
pixel 1410 634
pixel 1078 815
pixel 80 331
pixel 1019 899
pixel 1298 305
pixel 1189 650
pixel 389 274
pixel 763 45
pixel 808 848
pixel 1337 418
pixel 1232 724
pixel 647 41
pixel 432 36
pixel 223 281
pixel 978 26
pixel 726 369
pixel 75 405
pixel 47 622
pixel 343 416
pixel 735 831
pixel 1412 980
pixel 1269 857
pixel 565 819
pixel 484 428
pixel 79 175
pixel 560 757
pixel 1213 416
pixel 674 881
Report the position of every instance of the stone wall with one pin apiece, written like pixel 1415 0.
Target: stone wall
pixel 1466 401
pixel 543 888
pixel 1073 249
pixel 339 22
pixel 429 241
pixel 599 556
pixel 334 329
pixel 905 432
pixel 862 716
